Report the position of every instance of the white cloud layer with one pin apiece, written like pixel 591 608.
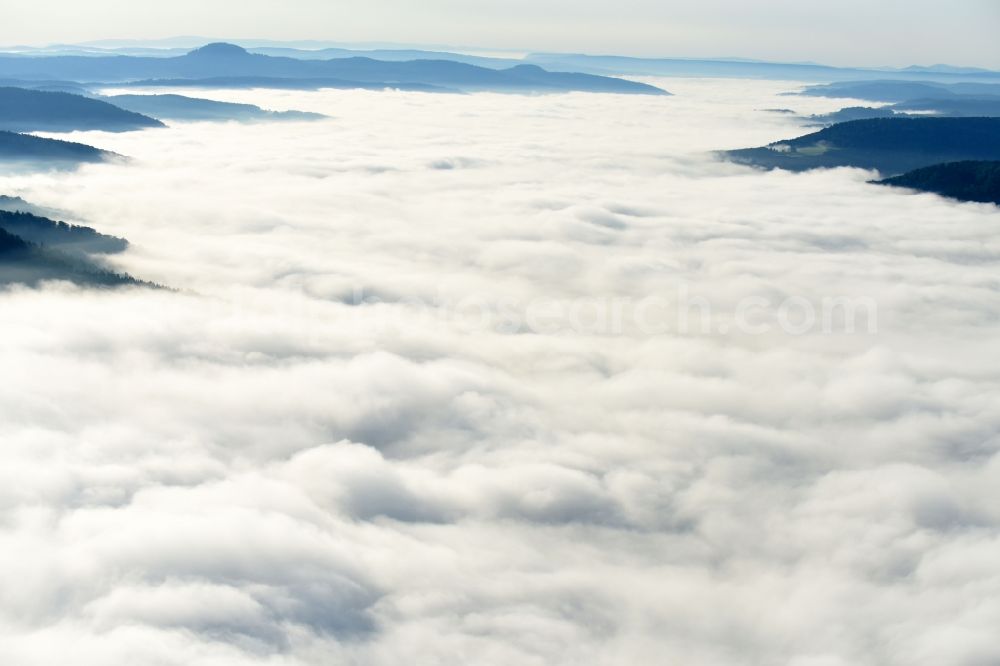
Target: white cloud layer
pixel 263 468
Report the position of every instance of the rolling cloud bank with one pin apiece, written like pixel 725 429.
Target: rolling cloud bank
pixel 498 379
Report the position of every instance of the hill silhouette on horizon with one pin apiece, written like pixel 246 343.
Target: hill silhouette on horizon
pixel 222 60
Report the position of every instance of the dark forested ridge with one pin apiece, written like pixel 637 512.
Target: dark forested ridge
pixel 25 148
pixel 51 233
pixel 965 181
pixel 22 262
pixel 24 110
pixel 35 249
pixel 889 145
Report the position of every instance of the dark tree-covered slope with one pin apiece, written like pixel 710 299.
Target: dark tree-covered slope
pixel 34 248
pixel 965 181
pixel 23 110
pixel 25 148
pixel 51 233
pixel 889 145
pixel 22 262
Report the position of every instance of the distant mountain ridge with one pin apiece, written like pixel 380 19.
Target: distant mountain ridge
pixel 895 90
pixel 243 82
pixel 389 55
pixel 908 99
pixel 217 61
pixel 953 107
pixel 852 113
pixel 742 68
pixel 180 107
pixel 603 64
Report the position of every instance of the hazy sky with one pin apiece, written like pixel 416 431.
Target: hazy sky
pixel 893 32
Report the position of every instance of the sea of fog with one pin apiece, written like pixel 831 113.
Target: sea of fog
pixel 499 379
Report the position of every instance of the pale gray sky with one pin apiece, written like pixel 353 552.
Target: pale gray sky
pixel 845 32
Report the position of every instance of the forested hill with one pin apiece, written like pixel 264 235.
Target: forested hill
pixel 23 110
pixel 44 231
pixel 965 181
pixel 34 249
pixel 25 148
pixel 889 145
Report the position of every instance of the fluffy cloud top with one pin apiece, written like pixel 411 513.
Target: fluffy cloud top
pixel 342 441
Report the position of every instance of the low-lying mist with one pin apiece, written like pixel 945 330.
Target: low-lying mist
pixel 498 379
